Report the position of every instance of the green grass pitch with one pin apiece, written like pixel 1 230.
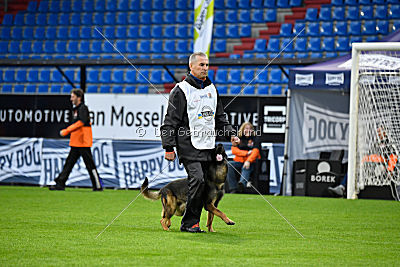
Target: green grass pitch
pixel 41 227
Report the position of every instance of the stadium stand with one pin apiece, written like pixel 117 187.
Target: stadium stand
pixel 163 29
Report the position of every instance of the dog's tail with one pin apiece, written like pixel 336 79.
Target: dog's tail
pixel 149 194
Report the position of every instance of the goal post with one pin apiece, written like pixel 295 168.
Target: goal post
pixel 374 130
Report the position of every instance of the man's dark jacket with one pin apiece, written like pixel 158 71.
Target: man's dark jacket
pixel 176 123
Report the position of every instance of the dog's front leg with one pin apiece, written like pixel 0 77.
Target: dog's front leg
pixel 211 208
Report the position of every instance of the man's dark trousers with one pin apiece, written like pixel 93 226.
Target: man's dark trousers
pixel 72 158
pixel 196 177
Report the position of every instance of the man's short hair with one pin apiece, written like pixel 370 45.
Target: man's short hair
pixel 193 57
pixel 78 92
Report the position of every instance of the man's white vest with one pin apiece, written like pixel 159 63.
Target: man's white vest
pixel 201 109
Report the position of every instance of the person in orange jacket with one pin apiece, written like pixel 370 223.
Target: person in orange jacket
pixel 80 142
pixel 246 153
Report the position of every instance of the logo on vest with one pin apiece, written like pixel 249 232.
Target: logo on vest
pixel 206 113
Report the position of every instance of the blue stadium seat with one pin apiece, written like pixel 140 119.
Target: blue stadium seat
pixel 325 13
pixel 182 46
pixel 270 15
pixel 276 90
pixel 43 6
pixel 381 12
pixel 156 77
pixel 316 55
pixel 26 47
pixel 169 17
pixel 86 18
pixel 169 46
pixel 364 2
pixel 20 76
pixel 300 45
pixel 31 88
pixel 117 76
pixel 367 12
pixel 222 89
pixel 88 6
pixel 96 47
pixel 143 89
pixel 282 3
pixel 382 27
pixel 131 46
pixel 169 31
pixel 145 18
pixel 53 19
pixel 117 89
pixel 340 28
pixel 219 16
pixel 62 33
pixel 351 2
pixel 92 76
pixel 157 17
pixel 247 76
pixel 260 45
pixel 257 15
pixel 181 4
pixel 313 29
pixel 394 12
pixel 352 13
pixel 75 19
pixel 249 90
pixel 372 39
pixel 169 4
pixel 231 4
pixel 287 45
pixel 43 88
pixel 32 6
pixel 342 44
pixel 121 46
pixel 105 89
pixel 235 89
pixel 9 76
pixel 19 19
pixel 275 76
pixel 120 32
pixel 156 31
pixel 66 6
pixel 33 76
pixel 314 44
pixel 295 3
pixel 256 4
pixel 111 5
pixel 37 47
pixel 84 47
pixel 3 47
pixel 7 20
pixel 14 47
pixel 134 5
pixel 231 16
pixel 51 33
pixel 74 33
pixel 299 29
pixel 130 76
pixel 263 90
pixel 56 76
pixel 233 31
pixel 145 31
pixel 219 31
pixel 369 27
pixel 234 76
pixel 182 31
pixel 122 18
pixel 221 76
pixel 273 45
pixel 107 47
pixel 355 28
pixel 181 17
pixel 39 33
pixel 326 28
pixel 98 19
pixel 245 30
pixel 262 76
pixel 156 46
pixel 130 89
pixel 219 4
pixel 244 16
pixel 144 46
pixel 63 18
pixel 44 76
pixel 219 46
pixel 19 88
pixel 16 33
pixel 109 19
pixel 286 29
pixel 244 4
pixel 6 33
pixel 311 14
pixel 338 13
pixel 92 89
pixel 133 32
pixel 328 44
pixel 72 47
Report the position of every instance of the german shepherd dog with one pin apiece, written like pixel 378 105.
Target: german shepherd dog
pixel 174 194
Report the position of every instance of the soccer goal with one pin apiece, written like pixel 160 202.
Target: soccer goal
pixel 374 133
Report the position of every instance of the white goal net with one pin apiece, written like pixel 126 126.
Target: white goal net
pixel 374 118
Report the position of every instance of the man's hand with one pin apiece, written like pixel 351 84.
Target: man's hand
pixel 170 156
pixel 248 153
pixel 62 133
pixel 235 140
pixel 246 165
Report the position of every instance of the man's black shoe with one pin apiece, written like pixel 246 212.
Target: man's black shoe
pixel 57 187
pixel 194 229
pixel 240 187
pixel 98 189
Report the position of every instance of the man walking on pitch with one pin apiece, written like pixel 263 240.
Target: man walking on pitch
pixel 80 143
pixel 194 113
